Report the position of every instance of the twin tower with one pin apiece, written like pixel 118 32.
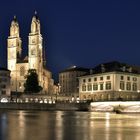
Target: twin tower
pixel 34 60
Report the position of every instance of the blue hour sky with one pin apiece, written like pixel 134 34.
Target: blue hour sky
pixel 77 32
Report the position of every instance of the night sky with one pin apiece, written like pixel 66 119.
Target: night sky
pixel 77 32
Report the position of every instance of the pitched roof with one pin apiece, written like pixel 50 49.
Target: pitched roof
pixel 115 66
pixel 23 60
pixel 74 68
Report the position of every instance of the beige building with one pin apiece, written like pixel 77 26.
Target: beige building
pixel 4 82
pixel 111 81
pixel 34 60
pixel 68 80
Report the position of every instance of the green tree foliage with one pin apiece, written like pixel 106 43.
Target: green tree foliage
pixel 32 85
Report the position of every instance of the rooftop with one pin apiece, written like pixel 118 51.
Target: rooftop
pixel 115 66
pixel 75 68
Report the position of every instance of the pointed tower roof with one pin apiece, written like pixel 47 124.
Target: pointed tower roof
pixel 14 21
pixel 35 24
pixel 35 17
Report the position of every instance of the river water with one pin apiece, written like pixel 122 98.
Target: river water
pixel 61 125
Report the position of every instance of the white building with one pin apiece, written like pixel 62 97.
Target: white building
pixel 4 82
pixel 110 81
pixel 34 60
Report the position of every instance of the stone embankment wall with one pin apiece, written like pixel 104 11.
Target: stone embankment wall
pixel 49 107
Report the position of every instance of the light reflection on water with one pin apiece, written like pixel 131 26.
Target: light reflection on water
pixel 59 125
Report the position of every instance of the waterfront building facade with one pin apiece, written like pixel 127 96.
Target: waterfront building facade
pixel 4 83
pixel 111 81
pixel 35 59
pixel 68 80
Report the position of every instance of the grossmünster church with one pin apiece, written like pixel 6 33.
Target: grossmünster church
pixel 35 59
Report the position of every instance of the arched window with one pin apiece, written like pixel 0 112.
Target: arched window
pixel 22 71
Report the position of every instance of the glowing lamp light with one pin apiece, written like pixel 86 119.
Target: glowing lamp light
pixel 4 100
pixel 120 90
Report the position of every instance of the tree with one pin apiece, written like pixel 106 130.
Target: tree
pixel 32 85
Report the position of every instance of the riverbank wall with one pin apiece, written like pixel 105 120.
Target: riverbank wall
pixel 47 107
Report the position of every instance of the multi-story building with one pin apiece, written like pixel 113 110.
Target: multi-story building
pixel 68 80
pixel 4 82
pixel 111 81
pixel 18 65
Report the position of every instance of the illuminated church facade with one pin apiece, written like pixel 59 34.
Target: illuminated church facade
pixel 34 60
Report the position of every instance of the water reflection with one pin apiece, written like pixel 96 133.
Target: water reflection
pixel 59 125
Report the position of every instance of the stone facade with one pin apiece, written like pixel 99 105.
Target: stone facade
pixel 112 84
pixel 18 65
pixel 4 82
pixel 68 80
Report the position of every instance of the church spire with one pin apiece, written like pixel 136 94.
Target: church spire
pixel 15 18
pixel 35 12
pixel 35 25
pixel 14 29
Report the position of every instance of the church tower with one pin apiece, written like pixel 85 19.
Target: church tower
pixel 35 47
pixel 14 50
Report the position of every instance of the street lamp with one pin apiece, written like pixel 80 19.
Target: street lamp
pixel 58 90
pixel 120 98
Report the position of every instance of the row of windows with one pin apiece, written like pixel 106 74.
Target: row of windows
pixel 100 86
pixel 69 75
pixel 128 78
pixel 95 79
pixel 108 78
pixel 69 81
pixel 128 86
pixel 96 86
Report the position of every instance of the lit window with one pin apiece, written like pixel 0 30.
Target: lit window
pixel 122 86
pixel 108 85
pixel 134 86
pixel 84 87
pixel 128 86
pixel 95 86
pixel 134 79
pixel 101 86
pixel 89 87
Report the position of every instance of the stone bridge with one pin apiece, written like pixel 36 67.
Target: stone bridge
pixel 124 106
